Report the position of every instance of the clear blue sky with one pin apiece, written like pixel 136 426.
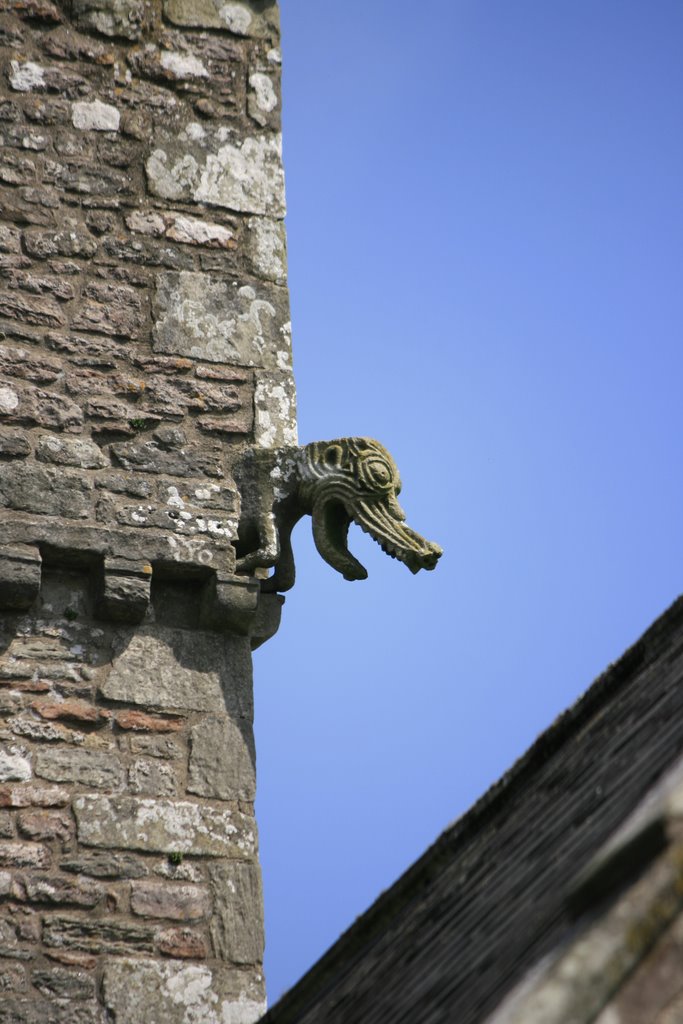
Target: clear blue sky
pixel 485 241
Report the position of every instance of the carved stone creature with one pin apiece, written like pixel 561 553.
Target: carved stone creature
pixel 352 479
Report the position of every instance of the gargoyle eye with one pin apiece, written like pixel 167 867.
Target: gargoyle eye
pixel 376 474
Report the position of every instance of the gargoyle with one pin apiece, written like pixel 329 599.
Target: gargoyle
pixel 352 479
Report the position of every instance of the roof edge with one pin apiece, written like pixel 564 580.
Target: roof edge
pixel 369 927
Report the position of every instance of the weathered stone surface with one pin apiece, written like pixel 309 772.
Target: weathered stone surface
pixel 155 746
pixel 110 309
pixel 97 936
pixel 20 575
pixel 182 943
pixel 148 457
pixel 222 759
pixel 24 403
pixel 221 321
pixel 93 768
pixel 24 855
pixel 111 17
pixel 275 409
pixel 237 921
pixel 209 165
pixel 267 249
pixel 45 825
pixel 152 778
pixel 12 978
pixel 163 826
pixel 259 18
pixel 164 899
pixel 63 983
pixel 95 116
pixel 33 796
pixel 14 765
pixel 73 242
pixel 106 865
pixel 50 889
pixel 48 491
pixel 192 671
pixel 42 311
pixel 168 993
pixel 79 452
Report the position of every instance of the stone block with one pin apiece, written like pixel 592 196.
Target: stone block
pixel 156 746
pixel 13 444
pixel 124 590
pixel 45 825
pixel 15 766
pixel 114 18
pixel 275 409
pixel 20 572
pixel 207 164
pixel 182 944
pixel 24 403
pixel 189 670
pixel 148 457
pixel 78 452
pixel 106 865
pixel 62 983
pixel 55 890
pixel 49 492
pixel 163 826
pixel 222 320
pixel 33 796
pixel 104 935
pixel 237 921
pixel 222 759
pixel 93 768
pixel 152 778
pixel 156 992
pixel 164 899
pixel 24 855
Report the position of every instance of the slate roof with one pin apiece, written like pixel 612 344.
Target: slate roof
pixel 492 896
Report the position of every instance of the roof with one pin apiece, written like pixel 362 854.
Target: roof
pixel 493 894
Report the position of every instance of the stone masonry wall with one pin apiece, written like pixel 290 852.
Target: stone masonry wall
pixel 144 347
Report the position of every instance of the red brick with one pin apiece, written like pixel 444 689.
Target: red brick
pixel 141 722
pixel 72 708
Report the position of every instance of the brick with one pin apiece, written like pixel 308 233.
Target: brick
pixel 141 722
pixel 71 709
pixel 178 902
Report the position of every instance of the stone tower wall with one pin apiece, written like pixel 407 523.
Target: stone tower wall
pixel 144 347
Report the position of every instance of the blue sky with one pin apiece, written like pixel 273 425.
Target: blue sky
pixel 485 246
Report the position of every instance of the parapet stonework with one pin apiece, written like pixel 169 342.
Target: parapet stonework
pixel 149 483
